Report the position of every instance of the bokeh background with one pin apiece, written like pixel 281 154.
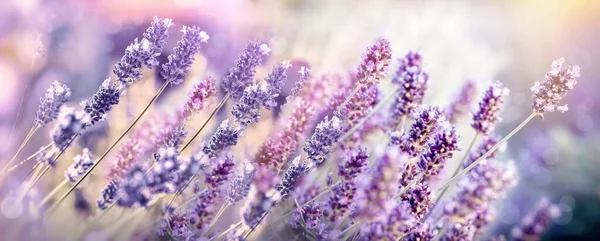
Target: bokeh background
pixel 78 41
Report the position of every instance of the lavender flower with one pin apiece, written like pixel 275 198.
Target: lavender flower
pixel 304 74
pixel 359 105
pixel 276 79
pixel 109 195
pixel 484 217
pixel 247 109
pixel 220 172
pixel 179 224
pixel 162 178
pixel 398 224
pixel 181 60
pixel 56 95
pixel 343 193
pixel 426 123
pixel 198 97
pixel 309 217
pixel 82 163
pixel 71 124
pixel 45 157
pixel 484 147
pixel 460 232
pixel 291 176
pixel 548 93
pixel 188 169
pixel 206 200
pixel 102 101
pixel 157 35
pixel 133 189
pixel 241 75
pixel 326 134
pixel 225 137
pixel 176 136
pixel 461 103
pixel 418 198
pixel 413 82
pixel 127 155
pixel 439 150
pixel 239 187
pixel 537 221
pixel 486 117
pixel 375 63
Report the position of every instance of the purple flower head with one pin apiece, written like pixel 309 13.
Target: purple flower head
pixel 427 121
pixel 56 95
pixel 82 163
pixel 418 198
pixel 413 83
pixel 239 187
pixel 309 217
pixel 376 188
pixel 461 103
pixel 162 177
pixel 134 189
pixel 291 176
pixel 342 196
pixel 326 134
pixel 355 164
pixel 178 224
pixel 422 233
pixel 157 35
pixel 263 195
pixel 45 157
pixel 548 93
pixel 222 167
pixel 359 105
pixel 460 232
pixel 374 63
pixel 109 195
pixel 102 101
pixel 241 75
pixel 70 124
pixel 198 97
pixel 127 155
pixel 304 74
pixel 247 109
pixel 484 147
pixel 439 150
pixel 226 136
pixel 202 209
pixel 487 115
pixel 536 222
pixel 182 58
pixel 484 217
pixel 399 222
pixel 188 169
pixel 176 137
pixel 276 79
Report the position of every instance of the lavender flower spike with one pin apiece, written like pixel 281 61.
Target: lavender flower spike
pixel 225 137
pixel 413 83
pixel 247 110
pixel 83 162
pixel 109 195
pixel 241 75
pixel 486 117
pixel 71 123
pixel 102 101
pixel 439 150
pixel 198 97
pixel 304 74
pixel 326 134
pixel 375 63
pixel 548 93
pixel 461 103
pixel 50 104
pixel 426 123
pixel 157 35
pixel 239 187
pixel 292 175
pixel 535 223
pixel 181 60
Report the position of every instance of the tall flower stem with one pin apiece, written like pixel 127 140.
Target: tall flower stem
pixel 28 158
pixel 442 231
pixel 51 193
pixel 206 122
pixel 484 156
pixel 87 173
pixel 32 131
pixel 32 184
pixel 440 196
pixel 255 225
pixel 221 211
pixel 227 230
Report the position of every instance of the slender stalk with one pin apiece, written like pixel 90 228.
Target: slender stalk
pixel 221 211
pixel 255 225
pixel 32 131
pixel 488 153
pixel 51 193
pixel 30 172
pixel 348 229
pixel 30 186
pixel 443 231
pixel 227 230
pixel 28 158
pixel 87 173
pixel 440 196
pixel 206 122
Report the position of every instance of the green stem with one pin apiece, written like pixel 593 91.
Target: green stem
pixel 206 122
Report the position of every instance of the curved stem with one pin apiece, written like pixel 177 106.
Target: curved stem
pixel 87 173
pixel 28 158
pixel 488 153
pixel 51 193
pixel 206 122
pixel 440 196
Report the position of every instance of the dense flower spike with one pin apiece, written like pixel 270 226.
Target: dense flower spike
pixel 225 137
pixel 82 163
pixel 376 188
pixel 263 196
pixel 413 82
pixel 484 147
pixel 397 225
pixel 343 193
pixel 127 155
pixel 202 209
pixel 355 164
pixel 487 115
pixel 359 105
pixel 548 93
pixel 426 123
pixel 375 63
pixel 162 178
pixel 439 150
pixel 484 217
pixel 461 103
pixel 326 134
pixel 102 101
pixel 56 95
pixel 239 187
pixel 304 74
pixel 220 172
pixel 459 232
pixel 247 110
pixel 418 198
pixel 536 222
pixel 71 123
pixel 275 80
pixel 175 71
pixel 291 176
pixel 157 35
pixel 179 225
pixel 199 97
pixel 241 75
pixel 109 195
pixel 133 189
pixel 189 168
pixel 422 233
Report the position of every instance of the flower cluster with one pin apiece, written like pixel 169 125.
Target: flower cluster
pixel 181 60
pixel 343 193
pixel 375 63
pixel 82 163
pixel 537 221
pixel 326 134
pixel 50 104
pixel 225 137
pixel 548 93
pixel 486 117
pixel 71 123
pixel 241 75
pixel 413 83
pixel 199 96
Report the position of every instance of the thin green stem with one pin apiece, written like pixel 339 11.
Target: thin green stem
pixel 28 158
pixel 87 173
pixel 206 122
pixel 51 193
pixel 30 186
pixel 234 226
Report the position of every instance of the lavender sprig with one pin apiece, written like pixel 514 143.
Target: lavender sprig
pixel 536 222
pixel 239 187
pixel 548 93
pixel 102 101
pixel 56 95
pixel 225 137
pixel 241 75
pixel 327 133
pixel 487 115
pixel 82 163
pixel 71 124
pixel 181 60
pixel 413 83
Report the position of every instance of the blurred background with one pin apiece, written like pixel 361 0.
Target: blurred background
pixel 77 42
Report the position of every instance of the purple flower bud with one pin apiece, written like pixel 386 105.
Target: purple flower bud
pixel 486 117
pixel 291 176
pixel 418 198
pixel 422 233
pixel 71 123
pixel 82 163
pixel 226 136
pixel 102 101
pixel 413 83
pixel 247 110
pixel 56 95
pixel 355 164
pixel 439 150
pixel 548 93
pixel 461 103
pixel 133 189
pixel 309 216
pixel 109 195
pixel 239 187
pixel 276 79
pixel 182 58
pixel 375 63
pixel 202 209
pixel 222 167
pixel 537 221
pixel 359 105
pixel 263 196
pixel 460 232
pixel 326 134
pixel 198 97
pixel 398 224
pixel 426 123
pixel 304 74
pixel 157 35
pixel 162 177
pixel 178 225
pixel 190 168
pixel 484 217
pixel 242 74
